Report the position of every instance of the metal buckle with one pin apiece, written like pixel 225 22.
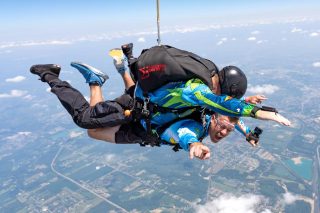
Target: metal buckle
pixel 203 117
pixel 145 110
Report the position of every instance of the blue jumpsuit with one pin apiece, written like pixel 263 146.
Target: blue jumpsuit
pixel 185 132
pixel 194 93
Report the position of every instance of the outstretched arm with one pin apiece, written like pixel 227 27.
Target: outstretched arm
pixel 266 115
pixel 198 94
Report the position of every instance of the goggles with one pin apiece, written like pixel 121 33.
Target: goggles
pixel 223 124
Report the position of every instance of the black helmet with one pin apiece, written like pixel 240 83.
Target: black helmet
pixel 233 81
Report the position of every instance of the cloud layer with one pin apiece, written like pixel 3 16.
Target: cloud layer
pixel 74 134
pixel 13 94
pixel 316 64
pixel 263 89
pixel 172 29
pixel 141 39
pixel 248 203
pixel 314 34
pixel 33 43
pixel 289 198
pixel 229 204
pixel 19 136
pixel 16 79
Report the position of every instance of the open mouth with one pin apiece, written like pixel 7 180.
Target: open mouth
pixel 217 138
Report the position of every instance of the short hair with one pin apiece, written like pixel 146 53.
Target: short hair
pixel 231 119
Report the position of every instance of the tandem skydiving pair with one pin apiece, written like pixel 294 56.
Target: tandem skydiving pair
pixel 179 108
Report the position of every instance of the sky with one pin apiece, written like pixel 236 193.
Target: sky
pixel 44 19
pixel 23 23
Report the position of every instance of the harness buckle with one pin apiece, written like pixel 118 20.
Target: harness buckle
pixel 145 102
pixel 145 111
pixel 203 117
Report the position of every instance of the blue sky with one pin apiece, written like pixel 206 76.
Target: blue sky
pixel 44 19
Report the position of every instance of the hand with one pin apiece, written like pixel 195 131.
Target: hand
pixel 253 136
pixel 256 99
pixel 253 143
pixel 281 120
pixel 199 150
pixel 252 140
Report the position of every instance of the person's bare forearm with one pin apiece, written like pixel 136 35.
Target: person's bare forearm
pixel 266 115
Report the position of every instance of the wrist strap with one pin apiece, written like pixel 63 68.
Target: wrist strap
pixel 254 111
pixel 263 108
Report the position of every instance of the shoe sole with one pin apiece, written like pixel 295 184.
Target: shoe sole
pixel 117 54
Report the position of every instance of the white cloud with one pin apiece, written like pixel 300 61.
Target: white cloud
pixel 19 136
pixel 28 97
pixel 48 89
pixel 296 30
pixel 141 39
pixel 33 43
pixel 5 52
pixel 289 198
pixel 252 38
pixel 184 29
pixel 316 64
pixel 74 134
pixel 317 120
pixel 13 94
pixel 173 29
pixel 314 34
pixel 16 79
pixel 229 204
pixel 266 211
pixel 223 40
pixel 263 89
pixel 256 32
pixel 262 41
pixel 219 43
pixel 109 157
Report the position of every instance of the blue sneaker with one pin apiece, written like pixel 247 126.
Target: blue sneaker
pixel 91 74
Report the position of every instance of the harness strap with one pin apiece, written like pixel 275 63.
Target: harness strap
pixel 143 109
pixel 153 108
